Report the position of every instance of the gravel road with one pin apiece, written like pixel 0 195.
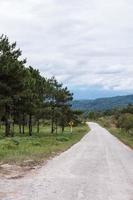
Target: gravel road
pixel 99 167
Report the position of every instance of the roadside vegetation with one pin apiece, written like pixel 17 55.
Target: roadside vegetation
pixel 25 150
pixel 118 121
pixel 35 111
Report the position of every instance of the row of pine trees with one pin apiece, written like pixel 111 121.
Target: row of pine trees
pixel 26 97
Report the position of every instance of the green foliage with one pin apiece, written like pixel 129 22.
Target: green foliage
pixel 106 122
pixel 120 123
pixel 29 105
pixel 36 143
pixel 38 147
pixel 125 121
pixel 8 145
pixel 123 136
pixel 62 138
pixel 16 141
pixel 27 98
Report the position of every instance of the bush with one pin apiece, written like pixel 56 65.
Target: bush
pixel 16 141
pixel 125 121
pixel 36 143
pixel 62 138
pixel 8 144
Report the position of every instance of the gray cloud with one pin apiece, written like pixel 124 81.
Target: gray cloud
pixel 83 43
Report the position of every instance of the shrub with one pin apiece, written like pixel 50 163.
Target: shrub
pixel 125 121
pixel 36 143
pixel 62 138
pixel 16 141
pixel 8 144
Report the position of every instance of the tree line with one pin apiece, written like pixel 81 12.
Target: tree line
pixel 26 97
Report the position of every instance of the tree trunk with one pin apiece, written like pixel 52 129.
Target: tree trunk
pixel 20 123
pixel 52 121
pixel 20 128
pixel 7 127
pixel 38 126
pixel 7 121
pixel 13 125
pixel 23 130
pixel 56 126
pixel 30 125
pixel 12 131
pixel 63 128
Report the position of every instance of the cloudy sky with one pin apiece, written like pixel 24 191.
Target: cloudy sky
pixel 86 44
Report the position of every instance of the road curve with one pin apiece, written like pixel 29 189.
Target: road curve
pixel 99 167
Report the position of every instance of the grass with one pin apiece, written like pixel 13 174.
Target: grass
pixel 126 138
pixel 121 134
pixel 20 149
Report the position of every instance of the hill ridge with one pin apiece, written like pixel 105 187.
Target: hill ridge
pixel 105 103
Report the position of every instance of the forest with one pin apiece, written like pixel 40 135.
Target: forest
pixel 26 97
pixel 36 117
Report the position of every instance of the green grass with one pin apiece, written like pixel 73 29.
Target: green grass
pixel 40 147
pixel 125 137
pixel 121 134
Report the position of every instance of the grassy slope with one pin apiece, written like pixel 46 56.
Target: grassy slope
pixel 126 138
pixel 38 147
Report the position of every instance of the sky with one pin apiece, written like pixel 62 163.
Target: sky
pixel 86 44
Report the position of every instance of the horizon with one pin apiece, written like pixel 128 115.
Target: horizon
pixel 106 97
pixel 87 46
pixel 78 95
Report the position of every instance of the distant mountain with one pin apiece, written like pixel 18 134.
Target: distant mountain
pixel 102 103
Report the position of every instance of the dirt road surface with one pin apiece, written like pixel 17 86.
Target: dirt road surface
pixel 99 167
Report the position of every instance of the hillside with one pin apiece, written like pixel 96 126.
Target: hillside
pixel 102 103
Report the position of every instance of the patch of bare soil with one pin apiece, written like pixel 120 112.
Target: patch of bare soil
pixel 15 171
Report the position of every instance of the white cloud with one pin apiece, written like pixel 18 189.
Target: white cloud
pixel 83 43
